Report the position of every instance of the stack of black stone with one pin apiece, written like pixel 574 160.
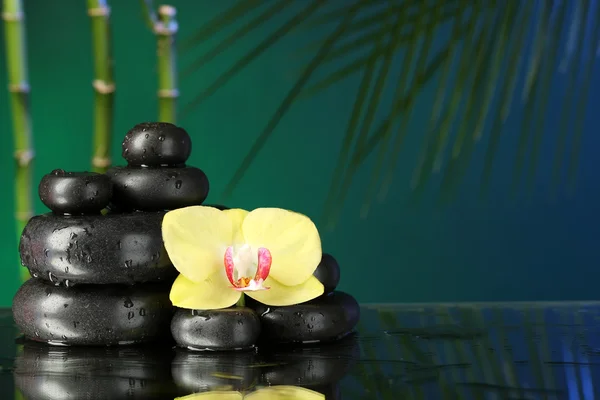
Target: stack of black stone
pixel 101 272
pixel 102 275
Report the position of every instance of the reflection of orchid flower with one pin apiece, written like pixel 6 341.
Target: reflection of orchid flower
pixel 268 393
pixel 270 254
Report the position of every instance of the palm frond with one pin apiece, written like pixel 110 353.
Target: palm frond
pixel 499 56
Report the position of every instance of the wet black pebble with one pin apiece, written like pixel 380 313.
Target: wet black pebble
pixel 99 249
pixel 235 328
pixel 328 272
pixel 92 314
pixel 74 372
pixel 75 192
pixel 155 189
pixel 156 143
pixel 324 319
pixel 195 371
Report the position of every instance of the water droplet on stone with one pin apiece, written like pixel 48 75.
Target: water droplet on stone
pixel 130 315
pixel 35 275
pixel 51 277
pixel 64 337
pixel 128 303
pixel 147 135
pixel 142 312
pixel 58 172
pixel 119 245
pixel 178 184
pixel 128 263
pixel 161 138
pixel 310 326
pixel 67 283
pixel 73 235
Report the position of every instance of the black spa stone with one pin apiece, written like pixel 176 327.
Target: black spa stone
pixel 324 319
pixel 235 328
pixel 98 249
pixel 195 371
pixel 156 144
pixel 328 272
pixel 92 314
pixel 75 372
pixel 155 189
pixel 75 192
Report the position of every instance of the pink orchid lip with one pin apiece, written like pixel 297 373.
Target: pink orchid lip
pixel 248 283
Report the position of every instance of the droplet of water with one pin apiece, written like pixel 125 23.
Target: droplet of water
pixel 67 283
pixel 51 277
pixel 58 172
pixel 147 135
pixel 310 326
pixel 130 315
pixel 46 252
pixel 72 236
pixel 119 245
pixel 128 263
pixel 128 303
pixel 178 184
pixel 66 270
pixel 161 138
pixel 142 312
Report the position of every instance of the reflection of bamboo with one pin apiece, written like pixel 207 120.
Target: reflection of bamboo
pixel 104 85
pixel 165 29
pixel 18 86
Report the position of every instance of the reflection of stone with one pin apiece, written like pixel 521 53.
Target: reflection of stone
pixel 310 366
pixel 235 328
pixel 156 189
pixel 49 372
pixel 75 192
pixel 324 319
pixel 92 314
pixel 203 371
pixel 99 249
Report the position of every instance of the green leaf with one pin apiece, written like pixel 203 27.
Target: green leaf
pixel 289 99
pixel 235 36
pixel 245 60
pixel 149 13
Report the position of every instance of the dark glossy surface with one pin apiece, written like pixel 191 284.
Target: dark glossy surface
pixel 479 352
pixel 92 314
pixel 328 272
pixel 75 192
pixel 101 249
pixel 155 144
pixel 156 189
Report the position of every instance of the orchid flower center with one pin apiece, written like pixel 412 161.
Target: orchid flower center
pixel 247 267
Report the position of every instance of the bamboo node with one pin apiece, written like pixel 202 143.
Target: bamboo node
pixel 102 11
pixel 170 29
pixel 13 16
pixel 103 87
pixel 23 215
pixel 168 93
pixel 22 87
pixel 101 162
pixel 24 157
pixel 167 11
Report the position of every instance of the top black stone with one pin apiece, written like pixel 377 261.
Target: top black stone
pixel 155 144
pixel 75 192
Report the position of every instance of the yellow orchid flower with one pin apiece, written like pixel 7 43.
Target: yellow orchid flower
pixel 269 253
pixel 269 393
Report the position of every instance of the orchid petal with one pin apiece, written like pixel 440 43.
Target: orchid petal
pixel 284 392
pixel 292 239
pixel 210 294
pixel 281 295
pixel 196 238
pixel 237 215
pixel 213 395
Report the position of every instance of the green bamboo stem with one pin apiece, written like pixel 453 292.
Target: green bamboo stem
pixel 165 29
pixel 18 87
pixel 104 85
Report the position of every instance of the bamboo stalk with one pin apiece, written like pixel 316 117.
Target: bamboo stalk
pixel 18 87
pixel 165 29
pixel 104 85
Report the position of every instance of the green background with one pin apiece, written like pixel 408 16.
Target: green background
pixel 534 248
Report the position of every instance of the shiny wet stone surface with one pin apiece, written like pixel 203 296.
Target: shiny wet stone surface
pixel 427 351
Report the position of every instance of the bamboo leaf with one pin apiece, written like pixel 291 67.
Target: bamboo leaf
pixel 235 36
pixel 221 21
pixel 553 37
pixel 353 122
pixel 245 60
pixel 582 104
pixel 400 88
pixel 149 13
pixel 339 13
pixel 506 95
pixel 564 121
pixel 372 107
pixel 290 97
